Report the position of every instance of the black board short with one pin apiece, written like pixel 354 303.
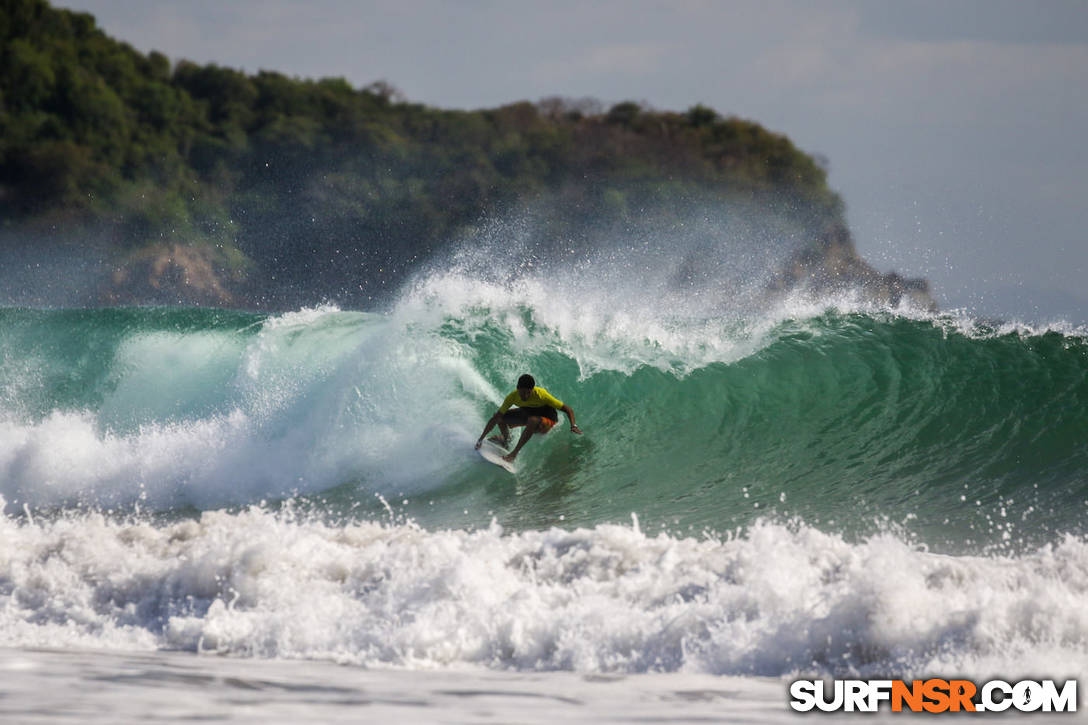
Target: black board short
pixel 520 416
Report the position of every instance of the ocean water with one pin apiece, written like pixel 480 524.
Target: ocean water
pixel 228 503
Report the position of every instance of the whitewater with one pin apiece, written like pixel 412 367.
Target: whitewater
pixel 199 505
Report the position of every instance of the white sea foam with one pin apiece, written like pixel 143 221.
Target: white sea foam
pixel 311 400
pixel 776 599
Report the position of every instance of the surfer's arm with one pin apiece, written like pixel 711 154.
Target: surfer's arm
pixel 570 416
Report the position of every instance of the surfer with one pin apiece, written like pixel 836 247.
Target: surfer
pixel 537 410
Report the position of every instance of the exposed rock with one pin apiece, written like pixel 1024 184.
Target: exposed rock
pixel 171 274
pixel 198 275
pixel 831 264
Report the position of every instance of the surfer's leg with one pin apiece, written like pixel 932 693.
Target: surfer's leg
pixel 532 424
pixel 504 439
pixel 511 419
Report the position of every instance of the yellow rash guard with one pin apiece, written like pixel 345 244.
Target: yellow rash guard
pixel 537 399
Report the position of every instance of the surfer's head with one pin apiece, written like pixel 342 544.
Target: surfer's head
pixel 526 383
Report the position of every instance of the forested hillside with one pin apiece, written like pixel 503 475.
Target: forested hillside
pixel 199 184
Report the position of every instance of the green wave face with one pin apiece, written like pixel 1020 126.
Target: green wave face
pixel 966 436
pixel 969 436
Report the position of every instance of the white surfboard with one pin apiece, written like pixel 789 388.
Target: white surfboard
pixel 493 453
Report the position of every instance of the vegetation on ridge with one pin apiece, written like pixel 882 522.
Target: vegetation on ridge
pixel 293 190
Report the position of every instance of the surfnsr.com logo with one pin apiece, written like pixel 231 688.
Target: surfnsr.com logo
pixel 933 695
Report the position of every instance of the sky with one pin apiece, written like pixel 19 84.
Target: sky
pixel 953 129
